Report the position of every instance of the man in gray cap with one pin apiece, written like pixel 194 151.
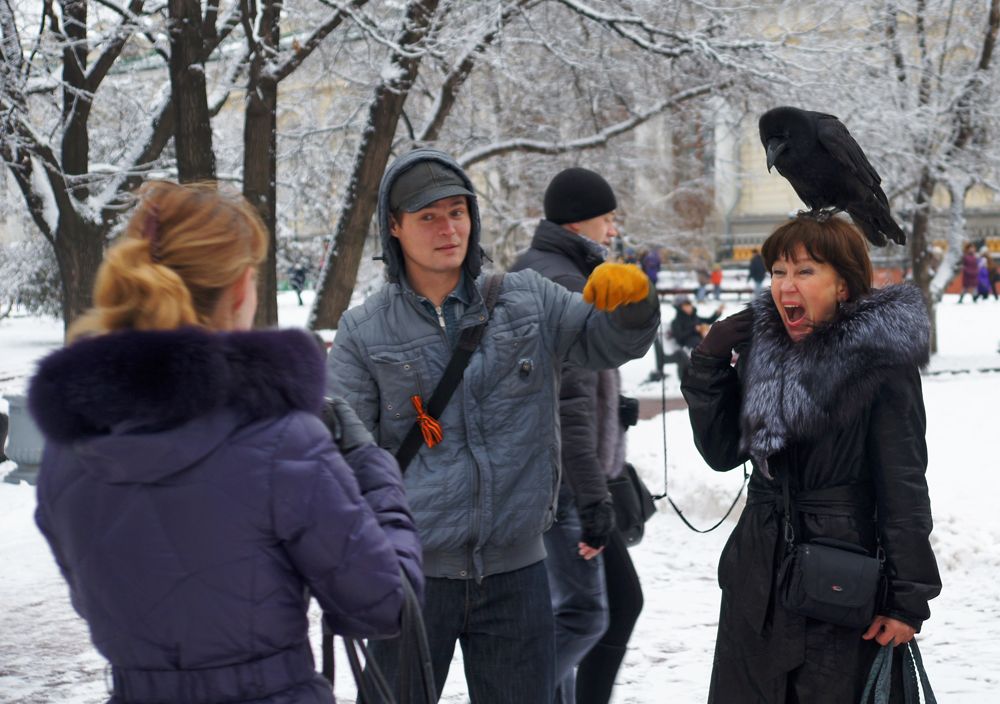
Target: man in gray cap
pixel 482 488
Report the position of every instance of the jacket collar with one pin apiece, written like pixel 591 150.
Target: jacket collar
pixel 585 254
pixel 796 391
pixel 131 380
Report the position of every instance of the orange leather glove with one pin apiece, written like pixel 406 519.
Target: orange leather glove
pixel 611 285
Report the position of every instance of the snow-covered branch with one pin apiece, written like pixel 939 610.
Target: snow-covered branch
pixel 301 52
pixel 598 139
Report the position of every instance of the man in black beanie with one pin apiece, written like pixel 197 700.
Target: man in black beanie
pixel 588 564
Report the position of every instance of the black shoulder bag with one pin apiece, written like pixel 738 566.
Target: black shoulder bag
pixel 413 637
pixel 826 579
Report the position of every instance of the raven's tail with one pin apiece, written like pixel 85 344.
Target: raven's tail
pixel 877 223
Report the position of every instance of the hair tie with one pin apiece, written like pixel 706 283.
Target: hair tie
pixel 151 232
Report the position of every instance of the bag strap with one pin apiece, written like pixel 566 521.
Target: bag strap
pixel 791 520
pixel 373 687
pixel 913 667
pixel 786 494
pixel 468 341
pixel 880 682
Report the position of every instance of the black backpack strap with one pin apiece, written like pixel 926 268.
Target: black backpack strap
pixel 468 341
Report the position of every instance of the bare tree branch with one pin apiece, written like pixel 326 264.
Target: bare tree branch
pixel 453 81
pixel 300 54
pixel 591 141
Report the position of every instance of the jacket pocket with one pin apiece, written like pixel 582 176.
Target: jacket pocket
pixel 519 360
pixel 399 376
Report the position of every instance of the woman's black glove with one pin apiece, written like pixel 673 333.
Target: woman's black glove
pixel 726 335
pixel 597 521
pixel 346 428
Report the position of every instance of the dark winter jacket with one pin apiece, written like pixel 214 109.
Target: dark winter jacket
pixel 484 495
pixel 758 270
pixel 586 424
pixel 841 414
pixel 193 501
pixel 684 327
pixel 651 264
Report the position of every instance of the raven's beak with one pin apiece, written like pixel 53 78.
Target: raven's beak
pixel 774 150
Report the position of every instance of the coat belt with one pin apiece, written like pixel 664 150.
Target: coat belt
pixel 255 679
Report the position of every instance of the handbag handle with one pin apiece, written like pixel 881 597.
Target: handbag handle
pixel 880 681
pixel 371 682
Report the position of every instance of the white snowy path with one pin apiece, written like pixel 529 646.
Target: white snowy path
pixel 45 654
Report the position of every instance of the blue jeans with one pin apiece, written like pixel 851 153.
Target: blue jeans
pixel 579 596
pixel 504 625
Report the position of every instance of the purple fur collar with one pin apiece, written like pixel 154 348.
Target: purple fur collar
pixel 162 379
pixel 795 391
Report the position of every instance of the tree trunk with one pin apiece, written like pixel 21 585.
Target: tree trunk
pixel 76 100
pixel 920 247
pixel 336 284
pixel 260 170
pixel 193 127
pixel 79 248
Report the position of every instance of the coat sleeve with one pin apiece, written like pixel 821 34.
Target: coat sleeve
pixel 577 416
pixel 348 376
pixel 711 388
pixel 578 422
pixel 348 533
pixel 588 337
pixel 898 450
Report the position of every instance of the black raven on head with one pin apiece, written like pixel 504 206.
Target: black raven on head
pixel 827 169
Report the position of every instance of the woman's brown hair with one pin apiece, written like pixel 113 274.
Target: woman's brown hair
pixel 182 247
pixel 834 241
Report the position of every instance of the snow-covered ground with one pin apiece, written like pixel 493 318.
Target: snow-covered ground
pixel 45 654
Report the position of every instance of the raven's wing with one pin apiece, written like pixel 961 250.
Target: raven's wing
pixel 841 145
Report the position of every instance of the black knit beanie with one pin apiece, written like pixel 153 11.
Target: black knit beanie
pixel 578 194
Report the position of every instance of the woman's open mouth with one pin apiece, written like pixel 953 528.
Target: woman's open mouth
pixel 795 315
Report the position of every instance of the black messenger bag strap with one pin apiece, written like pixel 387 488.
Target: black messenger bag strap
pixel 468 341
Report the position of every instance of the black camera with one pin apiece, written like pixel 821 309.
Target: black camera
pixel 628 410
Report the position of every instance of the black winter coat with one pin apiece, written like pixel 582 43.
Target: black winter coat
pixel 684 327
pixel 841 413
pixel 568 259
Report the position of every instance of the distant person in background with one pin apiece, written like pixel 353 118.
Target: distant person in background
pixel 651 264
pixel 758 271
pixel 970 273
pixel 297 280
pixel 717 281
pixel 983 286
pixel 994 274
pixel 688 329
pixel 704 278
pixel 4 425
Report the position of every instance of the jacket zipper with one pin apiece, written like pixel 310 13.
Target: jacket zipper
pixel 440 314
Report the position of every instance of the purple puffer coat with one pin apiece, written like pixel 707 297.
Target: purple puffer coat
pixel 194 501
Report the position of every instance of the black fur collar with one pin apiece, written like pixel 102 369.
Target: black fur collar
pixel 162 379
pixel 795 391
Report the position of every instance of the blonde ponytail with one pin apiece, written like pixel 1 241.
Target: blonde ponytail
pixel 182 247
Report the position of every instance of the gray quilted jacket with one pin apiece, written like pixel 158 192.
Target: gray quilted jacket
pixel 483 497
